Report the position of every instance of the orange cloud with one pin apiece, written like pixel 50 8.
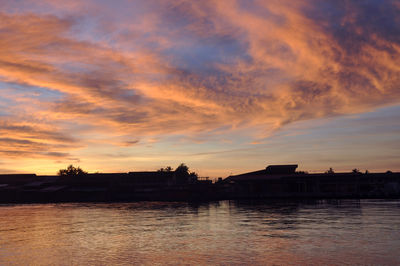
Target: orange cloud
pixel 195 67
pixel 28 140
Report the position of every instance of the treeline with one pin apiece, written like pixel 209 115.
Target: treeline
pixel 182 170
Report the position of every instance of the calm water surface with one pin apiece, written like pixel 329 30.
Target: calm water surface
pixel 227 232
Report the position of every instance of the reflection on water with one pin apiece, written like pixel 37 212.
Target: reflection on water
pixel 226 232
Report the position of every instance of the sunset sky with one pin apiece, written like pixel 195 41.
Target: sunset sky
pixel 223 86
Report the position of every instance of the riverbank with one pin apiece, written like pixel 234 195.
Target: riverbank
pixel 165 186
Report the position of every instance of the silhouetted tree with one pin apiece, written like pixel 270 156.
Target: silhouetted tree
pixel 366 172
pixel 182 169
pixel 302 172
pixel 355 171
pixel 329 171
pixel 166 169
pixel 71 171
pixel 183 174
pixel 193 175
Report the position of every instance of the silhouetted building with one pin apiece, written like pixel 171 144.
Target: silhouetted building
pixel 275 181
pixel 17 178
pixel 154 178
pixel 284 181
pixel 286 169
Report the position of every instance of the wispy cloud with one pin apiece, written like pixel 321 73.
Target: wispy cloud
pixel 33 141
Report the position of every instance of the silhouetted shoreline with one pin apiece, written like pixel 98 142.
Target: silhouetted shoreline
pixel 278 181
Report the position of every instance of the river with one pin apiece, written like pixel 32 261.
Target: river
pixel 334 232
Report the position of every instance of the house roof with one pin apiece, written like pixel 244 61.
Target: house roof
pixel 281 169
pixel 152 174
pixel 270 172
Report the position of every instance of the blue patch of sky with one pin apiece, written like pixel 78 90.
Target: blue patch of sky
pixel 109 24
pixel 349 141
pixel 35 92
pixel 201 55
pixel 74 67
pixel 375 16
pixel 372 128
pixel 252 7
pixel 3 108
pixel 203 143
pixel 86 29
pixel 380 121
pixel 4 102
pixel 325 10
pixel 197 46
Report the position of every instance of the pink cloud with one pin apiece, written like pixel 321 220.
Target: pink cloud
pixel 285 67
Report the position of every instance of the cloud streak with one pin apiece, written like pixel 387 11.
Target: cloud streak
pixel 27 140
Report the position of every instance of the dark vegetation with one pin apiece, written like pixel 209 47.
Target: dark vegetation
pixel 182 170
pixel 71 171
pixel 329 171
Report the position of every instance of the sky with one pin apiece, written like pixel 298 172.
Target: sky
pixel 224 86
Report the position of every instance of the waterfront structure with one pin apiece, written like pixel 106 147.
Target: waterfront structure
pixel 284 181
pixel 275 181
pixel 150 185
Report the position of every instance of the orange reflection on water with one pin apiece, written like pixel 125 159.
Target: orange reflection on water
pixel 257 233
